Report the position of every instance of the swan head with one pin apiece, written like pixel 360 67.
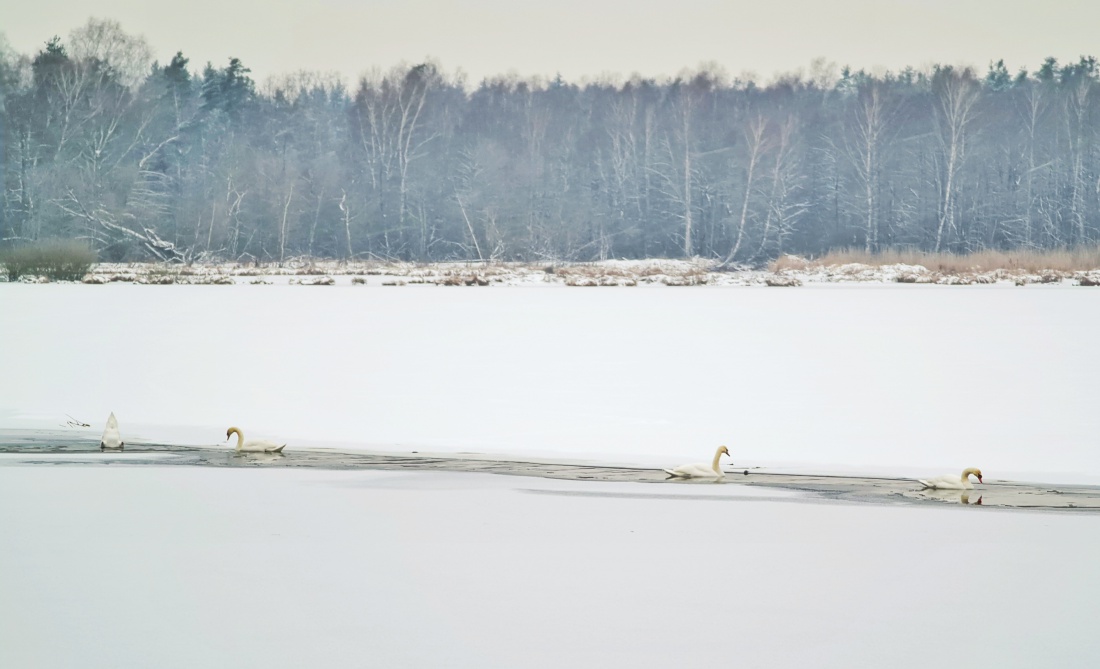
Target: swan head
pixel 975 471
pixel 230 431
pixel 723 449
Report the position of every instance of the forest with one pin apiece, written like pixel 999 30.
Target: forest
pixel 173 161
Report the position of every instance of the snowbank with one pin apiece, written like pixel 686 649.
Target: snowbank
pixel 608 273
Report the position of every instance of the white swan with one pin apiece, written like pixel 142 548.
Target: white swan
pixel 253 445
pixel 952 482
pixel 111 439
pixel 701 469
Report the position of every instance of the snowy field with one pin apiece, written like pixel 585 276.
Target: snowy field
pixel 197 567
pixel 895 379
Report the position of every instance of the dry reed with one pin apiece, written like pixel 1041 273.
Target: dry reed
pixel 1029 261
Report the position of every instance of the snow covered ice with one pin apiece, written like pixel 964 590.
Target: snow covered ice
pixel 139 563
pixel 201 567
pixel 913 380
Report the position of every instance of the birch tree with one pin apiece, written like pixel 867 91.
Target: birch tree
pixel 1079 129
pixel 756 143
pixel 388 112
pixel 956 96
pixel 866 141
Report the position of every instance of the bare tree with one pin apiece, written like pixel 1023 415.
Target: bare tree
pixel 956 95
pixel 1077 111
pixel 1031 110
pixel 757 142
pixel 783 207
pixel 865 142
pixel 388 111
pixel 104 41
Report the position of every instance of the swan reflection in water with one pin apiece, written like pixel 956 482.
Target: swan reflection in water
pixel 696 480
pixel 960 496
pixel 257 457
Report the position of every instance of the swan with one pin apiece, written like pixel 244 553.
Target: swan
pixel 253 445
pixel 111 439
pixel 952 482
pixel 701 469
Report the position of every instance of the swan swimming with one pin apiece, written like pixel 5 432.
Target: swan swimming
pixel 253 445
pixel 111 439
pixel 701 469
pixel 952 482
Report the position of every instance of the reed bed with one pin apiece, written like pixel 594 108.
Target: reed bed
pixel 1028 261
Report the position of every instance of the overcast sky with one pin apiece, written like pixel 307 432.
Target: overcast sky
pixel 580 38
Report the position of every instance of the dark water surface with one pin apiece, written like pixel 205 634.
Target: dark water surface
pixel 40 449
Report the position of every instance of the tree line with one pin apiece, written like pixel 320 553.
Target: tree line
pixel 148 160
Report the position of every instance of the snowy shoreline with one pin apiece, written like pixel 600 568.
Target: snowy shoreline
pixel 608 273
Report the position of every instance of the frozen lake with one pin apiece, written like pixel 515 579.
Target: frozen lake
pixel 120 568
pixel 141 559
pixel 902 380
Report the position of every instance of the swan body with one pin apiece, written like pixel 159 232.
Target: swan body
pixel 111 439
pixel 253 445
pixel 701 469
pixel 952 482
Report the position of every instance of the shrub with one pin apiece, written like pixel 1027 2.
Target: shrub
pixel 56 259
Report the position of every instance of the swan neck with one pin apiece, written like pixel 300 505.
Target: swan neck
pixel 240 437
pixel 714 464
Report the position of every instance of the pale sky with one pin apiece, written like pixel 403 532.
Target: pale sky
pixel 580 38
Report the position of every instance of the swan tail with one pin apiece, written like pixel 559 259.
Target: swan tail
pixel 924 483
pixel 671 472
pixel 279 449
